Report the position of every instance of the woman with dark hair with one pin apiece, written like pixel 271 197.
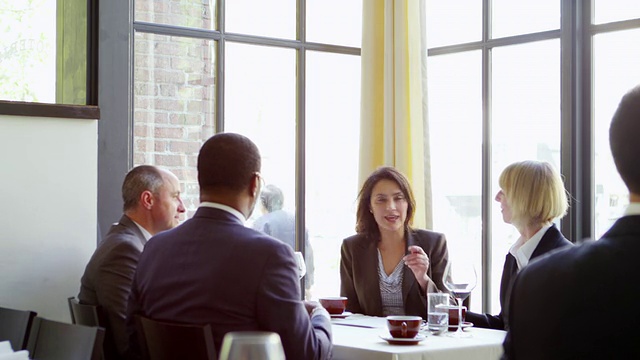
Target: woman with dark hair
pixel 387 268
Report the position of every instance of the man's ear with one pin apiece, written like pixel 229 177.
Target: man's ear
pixel 147 199
pixel 255 186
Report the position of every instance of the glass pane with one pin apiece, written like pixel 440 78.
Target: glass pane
pixel 200 14
pixel 273 18
pixel 28 50
pixel 453 22
pixel 455 122
pixel 260 104
pixel 332 145
pixel 522 17
pixel 335 22
pixel 615 10
pixel 174 103
pixel 526 126
pixel 616 71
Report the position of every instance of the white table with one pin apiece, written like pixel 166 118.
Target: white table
pixel 360 342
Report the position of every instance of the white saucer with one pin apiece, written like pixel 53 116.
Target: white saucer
pixel 402 341
pixel 341 316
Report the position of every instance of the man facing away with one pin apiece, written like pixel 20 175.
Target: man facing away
pixel 213 269
pixel 282 225
pixel 581 303
pixel 151 204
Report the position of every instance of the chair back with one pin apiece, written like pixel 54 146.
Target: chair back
pixel 54 340
pixel 15 326
pixel 166 340
pixel 93 315
pixel 87 315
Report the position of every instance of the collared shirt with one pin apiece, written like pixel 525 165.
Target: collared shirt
pixel 632 209
pixel 226 208
pixel 147 235
pixel 523 248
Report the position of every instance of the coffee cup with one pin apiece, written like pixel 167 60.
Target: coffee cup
pixel 334 305
pixel 406 327
pixel 453 314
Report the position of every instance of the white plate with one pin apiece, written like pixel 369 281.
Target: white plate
pixel 402 341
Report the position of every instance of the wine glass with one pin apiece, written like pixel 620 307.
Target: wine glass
pixel 251 345
pixel 459 278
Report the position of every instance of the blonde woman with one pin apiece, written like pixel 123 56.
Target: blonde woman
pixel 388 267
pixel 531 197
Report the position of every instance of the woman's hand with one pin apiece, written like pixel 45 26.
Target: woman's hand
pixel 418 262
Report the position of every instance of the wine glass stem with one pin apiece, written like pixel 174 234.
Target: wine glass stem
pixel 459 315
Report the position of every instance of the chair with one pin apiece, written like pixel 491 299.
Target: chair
pixel 15 326
pixel 93 315
pixel 54 340
pixel 160 340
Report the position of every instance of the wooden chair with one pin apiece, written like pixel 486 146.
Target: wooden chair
pixel 161 340
pixel 54 340
pixel 93 315
pixel 15 326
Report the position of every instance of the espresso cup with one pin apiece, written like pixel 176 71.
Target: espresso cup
pixel 453 314
pixel 334 305
pixel 406 327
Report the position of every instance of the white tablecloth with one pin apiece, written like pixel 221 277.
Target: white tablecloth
pixel 6 352
pixel 351 342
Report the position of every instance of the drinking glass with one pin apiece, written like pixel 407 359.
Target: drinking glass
pixel 437 313
pixel 460 278
pixel 302 267
pixel 251 345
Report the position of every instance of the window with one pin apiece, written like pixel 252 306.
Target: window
pixel 504 90
pixel 294 90
pixel 43 51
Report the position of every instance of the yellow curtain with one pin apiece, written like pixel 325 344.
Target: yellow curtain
pixel 393 126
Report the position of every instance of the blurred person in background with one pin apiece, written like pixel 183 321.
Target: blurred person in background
pixel 281 224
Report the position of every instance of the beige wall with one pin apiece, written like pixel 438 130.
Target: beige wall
pixel 48 210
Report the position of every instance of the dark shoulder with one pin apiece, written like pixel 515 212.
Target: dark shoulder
pixel 356 240
pixel 427 235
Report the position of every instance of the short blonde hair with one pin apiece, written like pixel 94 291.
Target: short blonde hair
pixel 534 191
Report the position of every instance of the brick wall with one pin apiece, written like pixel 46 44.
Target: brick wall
pixel 174 96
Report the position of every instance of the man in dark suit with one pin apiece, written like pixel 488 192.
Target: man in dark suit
pixel 580 303
pixel 213 269
pixel 282 225
pixel 151 204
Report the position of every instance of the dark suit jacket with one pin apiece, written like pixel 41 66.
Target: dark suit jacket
pixel 359 280
pixel 212 269
pixel 282 226
pixel 580 303
pixel 551 240
pixel 108 276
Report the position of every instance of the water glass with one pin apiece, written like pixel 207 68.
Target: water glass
pixel 437 313
pixel 251 345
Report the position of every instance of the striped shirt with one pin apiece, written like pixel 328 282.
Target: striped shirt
pixel 391 288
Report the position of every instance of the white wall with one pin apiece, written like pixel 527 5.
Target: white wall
pixel 48 206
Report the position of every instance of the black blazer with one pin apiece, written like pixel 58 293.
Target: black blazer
pixel 359 280
pixel 214 270
pixel 551 240
pixel 580 303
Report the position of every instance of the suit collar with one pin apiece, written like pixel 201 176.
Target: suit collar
pixel 217 214
pixel 131 225
pixel 552 239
